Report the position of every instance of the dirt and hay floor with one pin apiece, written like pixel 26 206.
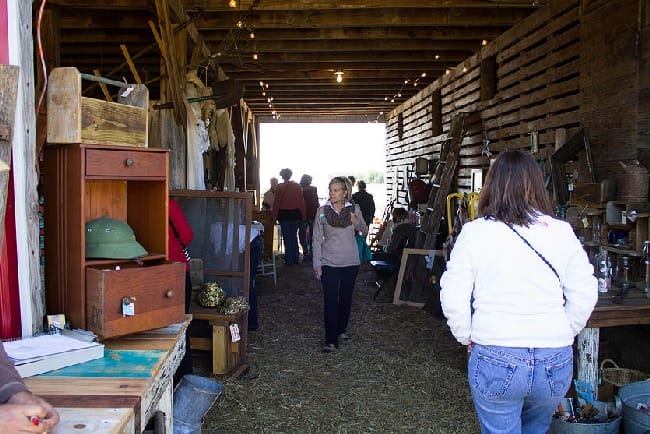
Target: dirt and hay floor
pixel 402 372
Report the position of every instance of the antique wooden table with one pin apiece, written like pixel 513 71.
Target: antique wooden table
pixel 135 375
pixel 611 310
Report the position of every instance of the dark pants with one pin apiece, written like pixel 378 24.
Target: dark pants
pixel 185 367
pixel 306 229
pixel 257 245
pixel 289 230
pixel 338 285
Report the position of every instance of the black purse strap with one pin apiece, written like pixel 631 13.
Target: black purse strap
pixel 176 234
pixel 535 250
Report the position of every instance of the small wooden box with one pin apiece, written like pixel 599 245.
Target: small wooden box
pixel 594 194
pixel 72 118
pixel 158 291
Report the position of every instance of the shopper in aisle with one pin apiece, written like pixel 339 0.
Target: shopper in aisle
pixel 269 195
pixel 289 210
pixel 517 290
pixel 365 202
pixel 336 258
pixel 306 232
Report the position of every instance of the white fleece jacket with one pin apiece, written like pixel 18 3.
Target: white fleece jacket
pixel 497 291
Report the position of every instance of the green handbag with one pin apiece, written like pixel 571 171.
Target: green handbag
pixel 365 254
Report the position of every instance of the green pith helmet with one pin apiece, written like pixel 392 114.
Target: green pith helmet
pixel 109 238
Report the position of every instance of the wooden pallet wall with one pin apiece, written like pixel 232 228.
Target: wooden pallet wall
pixel 553 71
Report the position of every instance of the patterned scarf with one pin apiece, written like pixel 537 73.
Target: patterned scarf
pixel 341 219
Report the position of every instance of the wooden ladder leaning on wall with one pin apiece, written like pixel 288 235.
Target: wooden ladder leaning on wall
pixel 415 271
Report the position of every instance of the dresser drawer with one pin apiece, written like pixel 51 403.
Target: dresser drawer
pixel 126 164
pixel 158 293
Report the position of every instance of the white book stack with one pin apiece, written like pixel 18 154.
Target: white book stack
pixel 39 354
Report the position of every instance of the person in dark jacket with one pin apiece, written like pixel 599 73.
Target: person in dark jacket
pixel 18 406
pixel 310 194
pixel 365 202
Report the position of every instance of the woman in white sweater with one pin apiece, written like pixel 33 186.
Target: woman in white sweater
pixel 517 289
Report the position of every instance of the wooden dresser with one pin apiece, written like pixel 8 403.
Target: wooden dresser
pixel 85 182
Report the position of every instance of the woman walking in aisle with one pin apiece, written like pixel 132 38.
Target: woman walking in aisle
pixel 336 257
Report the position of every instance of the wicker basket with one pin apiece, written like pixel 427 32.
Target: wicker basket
pixel 620 376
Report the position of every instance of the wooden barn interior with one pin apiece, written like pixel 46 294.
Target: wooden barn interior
pixel 455 83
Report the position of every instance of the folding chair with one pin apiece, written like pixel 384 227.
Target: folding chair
pixel 385 270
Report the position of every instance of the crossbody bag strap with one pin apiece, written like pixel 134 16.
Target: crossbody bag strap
pixel 535 250
pixel 176 234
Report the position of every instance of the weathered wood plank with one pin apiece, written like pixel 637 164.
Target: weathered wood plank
pixel 8 90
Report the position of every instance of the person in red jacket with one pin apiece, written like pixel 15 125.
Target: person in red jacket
pixel 180 236
pixel 20 411
pixel 310 194
pixel 289 211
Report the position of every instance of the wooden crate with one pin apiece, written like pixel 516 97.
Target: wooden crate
pixel 72 118
pixel 593 194
pixel 158 291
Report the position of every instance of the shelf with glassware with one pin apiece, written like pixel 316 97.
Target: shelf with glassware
pixel 623 240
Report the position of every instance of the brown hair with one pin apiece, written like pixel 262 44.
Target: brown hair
pixel 514 190
pixel 347 185
pixel 399 214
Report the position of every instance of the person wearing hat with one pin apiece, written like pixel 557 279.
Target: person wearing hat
pixel 289 210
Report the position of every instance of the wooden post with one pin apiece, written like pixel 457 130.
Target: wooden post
pixel 587 341
pixel 8 91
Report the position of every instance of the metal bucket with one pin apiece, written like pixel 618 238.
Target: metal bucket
pixel 193 397
pixel 635 421
pixel 559 426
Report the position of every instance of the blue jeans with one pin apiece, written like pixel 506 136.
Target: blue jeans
pixel 289 230
pixel 306 229
pixel 516 390
pixel 338 284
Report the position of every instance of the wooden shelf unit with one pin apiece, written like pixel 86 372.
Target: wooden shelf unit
pixel 84 182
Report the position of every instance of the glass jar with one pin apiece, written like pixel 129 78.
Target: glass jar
pixel 623 272
pixel 603 270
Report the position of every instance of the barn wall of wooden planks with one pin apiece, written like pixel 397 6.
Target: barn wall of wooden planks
pixel 572 64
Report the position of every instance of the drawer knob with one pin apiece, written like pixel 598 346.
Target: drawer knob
pixel 169 293
pixel 130 162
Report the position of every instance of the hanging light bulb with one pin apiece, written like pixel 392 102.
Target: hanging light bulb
pixel 251 35
pixel 484 42
pixel 255 56
pixel 239 24
pixel 232 3
pixel 339 76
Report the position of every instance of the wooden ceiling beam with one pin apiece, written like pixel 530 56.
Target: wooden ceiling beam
pixel 267 5
pixel 301 19
pixel 79 34
pixel 365 45
pixel 503 16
